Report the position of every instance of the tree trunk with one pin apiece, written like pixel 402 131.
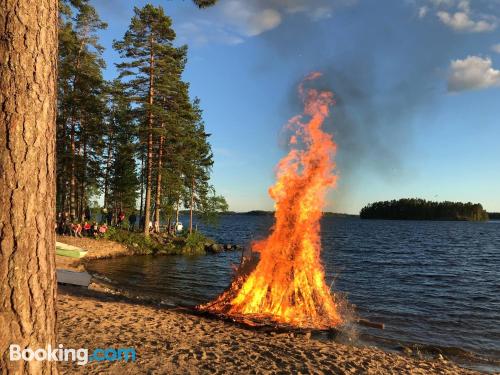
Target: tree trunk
pixel 158 181
pixel 60 163
pixel 72 187
pixel 83 198
pixel 177 214
pixel 142 188
pixel 28 62
pixel 191 207
pixel 149 156
pixel 108 168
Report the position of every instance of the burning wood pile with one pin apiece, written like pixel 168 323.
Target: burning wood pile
pixel 287 285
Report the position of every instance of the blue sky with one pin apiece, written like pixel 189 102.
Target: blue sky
pixel 417 85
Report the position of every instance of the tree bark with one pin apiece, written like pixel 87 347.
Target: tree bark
pixel 83 198
pixel 191 207
pixel 28 64
pixel 108 168
pixel 72 190
pixel 177 214
pixel 158 181
pixel 142 188
pixel 149 156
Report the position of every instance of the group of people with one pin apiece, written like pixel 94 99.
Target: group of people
pixel 67 227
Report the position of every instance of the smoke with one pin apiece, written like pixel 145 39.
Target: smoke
pixel 384 65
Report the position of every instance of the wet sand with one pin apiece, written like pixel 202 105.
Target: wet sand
pixel 174 342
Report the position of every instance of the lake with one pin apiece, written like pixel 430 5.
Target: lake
pixel 436 284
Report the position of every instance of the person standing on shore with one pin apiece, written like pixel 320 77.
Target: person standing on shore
pixel 131 220
pixel 87 214
pixel 109 219
pixel 121 218
pixel 86 229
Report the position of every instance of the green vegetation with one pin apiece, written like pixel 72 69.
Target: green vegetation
pixel 421 209
pixel 259 213
pixel 194 243
pixel 138 141
pixel 494 215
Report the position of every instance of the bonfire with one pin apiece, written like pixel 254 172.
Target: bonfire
pixel 287 284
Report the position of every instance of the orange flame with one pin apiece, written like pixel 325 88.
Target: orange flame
pixel 288 284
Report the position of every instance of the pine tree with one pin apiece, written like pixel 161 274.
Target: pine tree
pixel 123 182
pixel 198 160
pixel 172 113
pixel 80 105
pixel 145 45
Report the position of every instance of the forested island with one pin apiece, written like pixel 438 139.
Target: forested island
pixel 421 209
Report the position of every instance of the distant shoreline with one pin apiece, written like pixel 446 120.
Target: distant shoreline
pixel 271 213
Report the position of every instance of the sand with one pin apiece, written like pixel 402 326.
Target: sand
pixel 97 248
pixel 174 342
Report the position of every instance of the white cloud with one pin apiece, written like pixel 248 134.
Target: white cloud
pixel 202 32
pixel 460 16
pixel 496 48
pixel 472 73
pixel 464 5
pixel 460 21
pixel 422 12
pixel 234 21
pixel 315 9
pixel 248 19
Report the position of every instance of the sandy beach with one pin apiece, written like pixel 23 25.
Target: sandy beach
pixel 172 342
pixel 96 249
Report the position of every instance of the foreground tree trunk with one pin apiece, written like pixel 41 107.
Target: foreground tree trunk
pixel 28 58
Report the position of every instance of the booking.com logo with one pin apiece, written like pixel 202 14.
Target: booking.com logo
pixel 80 356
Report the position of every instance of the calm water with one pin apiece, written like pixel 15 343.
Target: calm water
pixel 431 283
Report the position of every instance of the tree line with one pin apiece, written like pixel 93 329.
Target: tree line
pixel 139 140
pixel 421 209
